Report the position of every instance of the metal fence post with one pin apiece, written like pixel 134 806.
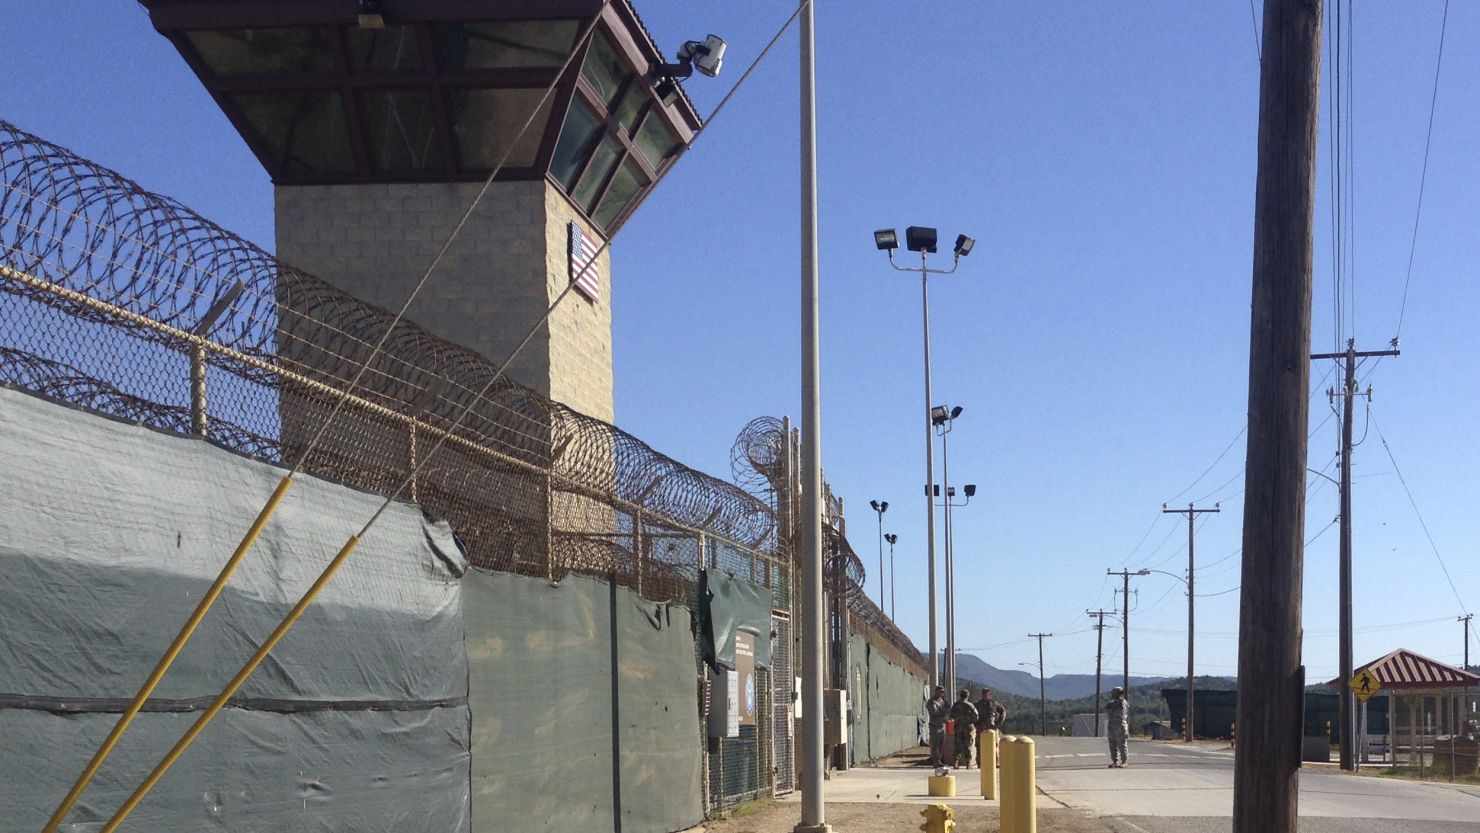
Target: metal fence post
pixel 411 457
pixel 197 390
pixel 637 558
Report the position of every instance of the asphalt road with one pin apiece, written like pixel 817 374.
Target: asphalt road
pixel 1171 788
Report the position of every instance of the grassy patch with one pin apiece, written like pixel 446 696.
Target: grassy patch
pixel 748 809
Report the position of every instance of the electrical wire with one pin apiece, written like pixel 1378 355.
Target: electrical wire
pixel 1421 522
pixel 1424 173
pixel 1210 467
pixel 1333 143
pixel 1350 157
pixel 1258 48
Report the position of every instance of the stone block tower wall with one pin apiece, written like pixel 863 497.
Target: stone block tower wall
pixel 511 260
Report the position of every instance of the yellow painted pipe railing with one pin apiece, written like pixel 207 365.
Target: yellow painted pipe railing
pixel 232 687
pixel 170 655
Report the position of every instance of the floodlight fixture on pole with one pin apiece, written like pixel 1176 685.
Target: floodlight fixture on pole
pixel 922 240
pixel 892 539
pixel 942 418
pixel 880 507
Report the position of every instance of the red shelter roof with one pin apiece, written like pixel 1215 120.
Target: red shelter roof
pixel 1404 670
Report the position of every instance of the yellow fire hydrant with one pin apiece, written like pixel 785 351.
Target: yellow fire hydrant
pixel 938 819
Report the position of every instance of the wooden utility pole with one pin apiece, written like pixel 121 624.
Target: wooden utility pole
pixel 1099 653
pixel 1125 624
pixel 1464 622
pixel 1346 697
pixel 1191 512
pixel 1042 692
pixel 1271 694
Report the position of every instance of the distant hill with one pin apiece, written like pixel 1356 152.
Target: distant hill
pixel 1056 687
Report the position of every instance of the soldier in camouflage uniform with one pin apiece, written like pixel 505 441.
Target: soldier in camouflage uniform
pixel 1118 712
pixel 965 717
pixel 937 708
pixel 990 715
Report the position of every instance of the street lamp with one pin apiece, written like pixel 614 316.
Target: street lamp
pixel 922 240
pixel 1187 712
pixel 948 504
pixel 892 539
pixel 1042 694
pixel 880 507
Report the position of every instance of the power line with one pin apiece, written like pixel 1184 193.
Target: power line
pixel 1215 462
pixel 1258 49
pixel 1424 174
pixel 1421 522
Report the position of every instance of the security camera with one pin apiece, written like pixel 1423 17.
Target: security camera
pixel 710 55
pixel 707 56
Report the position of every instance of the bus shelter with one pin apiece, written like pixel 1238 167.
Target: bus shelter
pixel 1432 713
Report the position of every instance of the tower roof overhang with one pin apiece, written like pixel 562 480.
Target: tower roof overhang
pixel 439 90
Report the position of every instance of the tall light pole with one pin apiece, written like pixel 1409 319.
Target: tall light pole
pixel 948 504
pixel 880 507
pixel 892 539
pixel 1191 512
pixel 921 239
pixel 813 816
pixel 943 418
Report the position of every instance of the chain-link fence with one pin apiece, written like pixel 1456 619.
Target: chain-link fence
pixel 129 303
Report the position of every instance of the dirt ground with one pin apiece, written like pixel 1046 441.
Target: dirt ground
pixel 879 817
pixel 895 818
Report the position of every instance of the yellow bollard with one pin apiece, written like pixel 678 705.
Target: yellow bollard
pixel 988 764
pixel 942 786
pixel 1019 786
pixel 1007 811
pixel 938 819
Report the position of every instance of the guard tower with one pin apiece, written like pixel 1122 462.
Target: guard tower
pixel 379 121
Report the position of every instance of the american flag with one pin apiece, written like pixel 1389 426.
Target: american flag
pixel 583 267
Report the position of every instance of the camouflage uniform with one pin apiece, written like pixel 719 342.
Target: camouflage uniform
pixel 1117 712
pixel 937 709
pixel 965 717
pixel 990 715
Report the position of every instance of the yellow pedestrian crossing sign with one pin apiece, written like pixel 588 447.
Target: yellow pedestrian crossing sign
pixel 1365 684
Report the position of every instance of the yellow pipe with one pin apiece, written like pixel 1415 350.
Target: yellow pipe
pixel 170 655
pixel 232 687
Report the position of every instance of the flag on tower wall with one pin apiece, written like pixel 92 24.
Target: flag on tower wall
pixel 583 266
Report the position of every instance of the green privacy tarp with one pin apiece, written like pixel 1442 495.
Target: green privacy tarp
pixel 109 535
pixel 729 605
pixel 585 714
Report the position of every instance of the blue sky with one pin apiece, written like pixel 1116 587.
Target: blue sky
pixel 1103 157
